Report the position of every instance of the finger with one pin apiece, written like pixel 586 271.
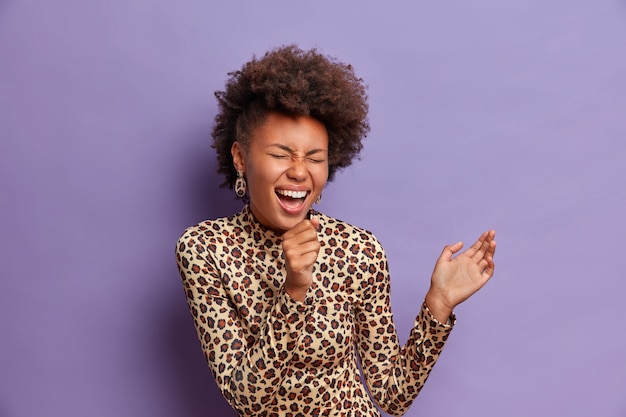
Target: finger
pixel 449 250
pixel 491 251
pixel 301 265
pixel 480 253
pixel 483 264
pixel 491 235
pixel 303 226
pixel 303 242
pixel 301 232
pixel 490 269
pixel 477 245
pixel 302 248
pixel 315 222
pixel 305 236
pixel 303 256
pixel 485 247
pixel 488 249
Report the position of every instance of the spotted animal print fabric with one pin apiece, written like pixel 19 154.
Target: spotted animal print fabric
pixel 274 356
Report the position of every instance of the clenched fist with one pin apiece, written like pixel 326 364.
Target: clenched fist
pixel 300 249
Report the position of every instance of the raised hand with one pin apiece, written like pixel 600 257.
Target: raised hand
pixel 300 248
pixel 455 279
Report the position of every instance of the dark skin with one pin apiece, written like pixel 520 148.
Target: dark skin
pixel 457 278
pixel 454 279
pixel 291 153
pixel 300 247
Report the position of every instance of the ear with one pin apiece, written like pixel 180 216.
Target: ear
pixel 237 153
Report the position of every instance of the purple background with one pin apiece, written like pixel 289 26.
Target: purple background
pixel 485 114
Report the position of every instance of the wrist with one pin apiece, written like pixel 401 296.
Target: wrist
pixel 296 293
pixel 438 306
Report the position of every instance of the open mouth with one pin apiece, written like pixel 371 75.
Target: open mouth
pixel 291 200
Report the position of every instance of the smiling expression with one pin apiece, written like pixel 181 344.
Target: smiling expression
pixel 286 168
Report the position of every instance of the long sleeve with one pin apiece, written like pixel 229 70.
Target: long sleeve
pixel 272 356
pixel 248 370
pixel 394 374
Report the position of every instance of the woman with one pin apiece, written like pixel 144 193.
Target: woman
pixel 284 298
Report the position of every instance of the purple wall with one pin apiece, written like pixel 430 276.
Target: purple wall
pixel 485 114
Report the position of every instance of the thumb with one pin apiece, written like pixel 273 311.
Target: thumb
pixel 315 221
pixel 450 250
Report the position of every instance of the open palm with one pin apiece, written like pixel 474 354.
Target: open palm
pixel 456 278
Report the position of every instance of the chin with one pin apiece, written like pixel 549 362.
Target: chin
pixel 282 225
pixel 279 219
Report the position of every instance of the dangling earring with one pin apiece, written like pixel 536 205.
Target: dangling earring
pixel 318 199
pixel 240 185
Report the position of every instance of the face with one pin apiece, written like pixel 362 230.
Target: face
pixel 286 168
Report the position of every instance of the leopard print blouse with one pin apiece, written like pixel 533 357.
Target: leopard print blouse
pixel 274 356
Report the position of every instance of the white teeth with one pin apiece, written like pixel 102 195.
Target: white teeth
pixel 292 194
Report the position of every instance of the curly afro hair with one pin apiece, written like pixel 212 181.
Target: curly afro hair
pixel 298 83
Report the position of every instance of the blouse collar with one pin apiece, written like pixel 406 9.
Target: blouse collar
pixel 259 232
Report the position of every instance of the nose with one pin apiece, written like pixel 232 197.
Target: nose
pixel 297 170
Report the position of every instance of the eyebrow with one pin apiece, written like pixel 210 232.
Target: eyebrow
pixel 291 151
